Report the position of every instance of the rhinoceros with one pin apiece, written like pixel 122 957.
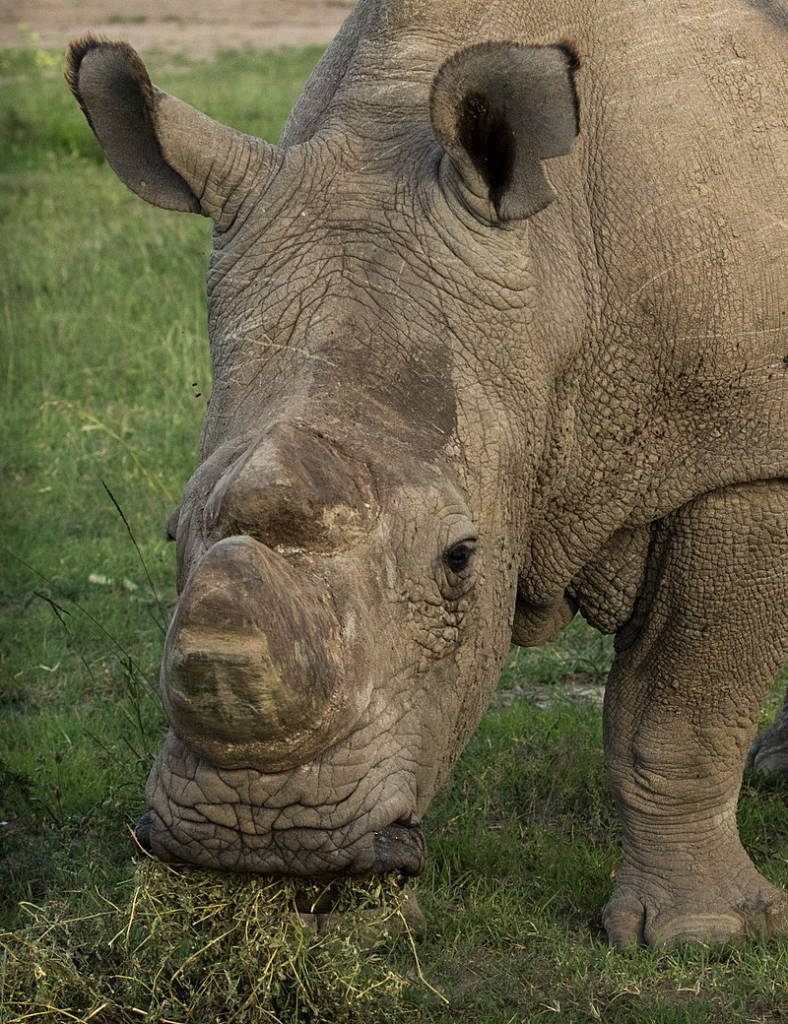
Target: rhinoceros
pixel 500 334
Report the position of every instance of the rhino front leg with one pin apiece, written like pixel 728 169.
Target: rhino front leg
pixel 692 668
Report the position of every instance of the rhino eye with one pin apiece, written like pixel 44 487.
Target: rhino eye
pixel 456 559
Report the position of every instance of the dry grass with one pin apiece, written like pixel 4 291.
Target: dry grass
pixel 203 946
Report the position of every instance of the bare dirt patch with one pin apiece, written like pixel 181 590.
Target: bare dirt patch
pixel 199 28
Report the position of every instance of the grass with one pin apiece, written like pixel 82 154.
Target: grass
pixel 102 357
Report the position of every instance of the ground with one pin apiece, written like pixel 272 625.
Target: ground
pixel 197 27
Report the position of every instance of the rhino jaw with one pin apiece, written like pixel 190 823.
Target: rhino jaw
pixel 253 674
pixel 398 847
pixel 314 822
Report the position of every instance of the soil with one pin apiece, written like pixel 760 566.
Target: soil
pixel 198 28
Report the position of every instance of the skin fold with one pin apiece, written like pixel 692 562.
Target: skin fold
pixel 499 334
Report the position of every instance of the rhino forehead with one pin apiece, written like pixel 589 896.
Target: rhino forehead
pixel 349 374
pixel 355 290
pixel 346 319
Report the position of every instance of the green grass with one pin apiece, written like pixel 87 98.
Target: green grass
pixel 102 341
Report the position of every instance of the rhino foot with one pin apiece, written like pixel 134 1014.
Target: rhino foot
pixel 648 914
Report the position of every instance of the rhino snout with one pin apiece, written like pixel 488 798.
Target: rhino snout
pixel 254 663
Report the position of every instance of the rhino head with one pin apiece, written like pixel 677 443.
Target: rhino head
pixel 382 316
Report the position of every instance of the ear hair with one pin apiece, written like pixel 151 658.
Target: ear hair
pixel 78 49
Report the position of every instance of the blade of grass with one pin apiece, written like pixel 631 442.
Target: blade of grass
pixel 161 624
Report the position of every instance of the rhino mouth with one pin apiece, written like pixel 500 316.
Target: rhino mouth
pixel 289 823
pixel 399 847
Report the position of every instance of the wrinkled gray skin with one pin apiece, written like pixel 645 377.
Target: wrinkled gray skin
pixel 473 373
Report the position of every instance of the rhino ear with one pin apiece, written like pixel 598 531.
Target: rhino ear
pixel 161 148
pixel 498 110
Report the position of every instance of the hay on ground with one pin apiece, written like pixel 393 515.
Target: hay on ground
pixel 197 946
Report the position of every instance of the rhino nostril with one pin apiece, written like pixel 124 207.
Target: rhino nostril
pixel 400 847
pixel 142 832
